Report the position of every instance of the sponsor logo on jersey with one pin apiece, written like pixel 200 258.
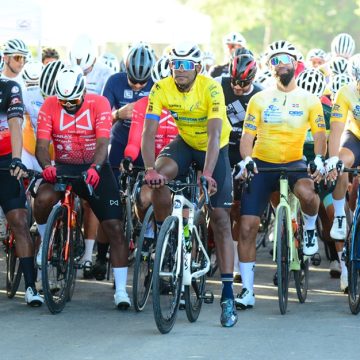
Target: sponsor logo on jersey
pixel 356 111
pixel 128 94
pixel 15 89
pixel 296 113
pixel 114 202
pixel 82 121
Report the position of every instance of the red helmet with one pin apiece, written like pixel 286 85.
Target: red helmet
pixel 243 67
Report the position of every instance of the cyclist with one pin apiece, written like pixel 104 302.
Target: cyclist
pixel 231 41
pixel 316 58
pixel 238 90
pixel 279 117
pixel 12 196
pixel 49 55
pixel 79 125
pixel 31 73
pixel 111 61
pixel 197 105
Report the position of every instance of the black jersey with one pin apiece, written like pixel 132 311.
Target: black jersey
pixel 11 106
pixel 236 109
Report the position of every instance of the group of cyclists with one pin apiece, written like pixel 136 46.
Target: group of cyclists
pixel 101 117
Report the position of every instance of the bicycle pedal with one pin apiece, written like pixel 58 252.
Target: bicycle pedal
pixel 316 259
pixel 208 297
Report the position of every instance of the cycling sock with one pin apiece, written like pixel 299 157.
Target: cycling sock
pixel 227 286
pixel 102 251
pixel 247 271
pixel 41 230
pixel 236 258
pixel 342 263
pixel 120 276
pixel 332 251
pixel 309 221
pixel 89 247
pixel 27 267
pixel 339 207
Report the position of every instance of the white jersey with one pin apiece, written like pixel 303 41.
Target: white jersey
pixel 96 79
pixel 33 101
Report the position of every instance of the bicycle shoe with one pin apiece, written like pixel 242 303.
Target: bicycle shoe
pixel 88 270
pixel 99 270
pixel 229 315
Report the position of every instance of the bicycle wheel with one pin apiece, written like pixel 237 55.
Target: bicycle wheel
pixel 194 294
pixel 282 259
pixel 263 227
pixel 301 276
pixel 354 270
pixel 57 270
pixel 144 263
pixel 166 283
pixel 13 271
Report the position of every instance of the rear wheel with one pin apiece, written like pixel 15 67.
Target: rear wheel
pixel 13 272
pixel 57 265
pixel 354 270
pixel 166 281
pixel 144 263
pixel 282 259
pixel 194 294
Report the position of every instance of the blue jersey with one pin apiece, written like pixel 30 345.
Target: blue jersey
pixel 119 93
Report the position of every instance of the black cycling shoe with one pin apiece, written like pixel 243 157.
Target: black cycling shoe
pixel 88 270
pixel 99 269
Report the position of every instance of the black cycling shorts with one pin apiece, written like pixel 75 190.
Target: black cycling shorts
pixel 184 155
pixel 351 142
pixel 107 206
pixel 12 193
pixel 263 184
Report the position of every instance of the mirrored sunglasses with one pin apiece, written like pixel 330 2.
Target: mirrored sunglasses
pixel 284 59
pixel 18 58
pixel 185 64
pixel 73 102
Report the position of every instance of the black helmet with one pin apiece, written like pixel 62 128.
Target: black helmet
pixel 243 67
pixel 139 63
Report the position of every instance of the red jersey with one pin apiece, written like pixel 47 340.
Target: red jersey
pixel 166 131
pixel 74 136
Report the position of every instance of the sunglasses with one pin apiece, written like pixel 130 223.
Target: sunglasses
pixel 241 83
pixel 135 82
pixel 18 58
pixel 284 59
pixel 185 64
pixel 73 102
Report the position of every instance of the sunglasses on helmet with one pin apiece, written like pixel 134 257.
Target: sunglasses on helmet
pixel 73 102
pixel 241 83
pixel 185 64
pixel 283 58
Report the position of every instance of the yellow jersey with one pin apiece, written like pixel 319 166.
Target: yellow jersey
pixel 191 110
pixel 346 108
pixel 280 121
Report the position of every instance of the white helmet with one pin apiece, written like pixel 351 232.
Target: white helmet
pixel 281 46
pixel 234 38
pixel 161 69
pixel 15 46
pixel 70 83
pixel 111 61
pixel 338 81
pixel 343 45
pixel 313 81
pixel 316 53
pixel 83 52
pixel 31 72
pixel 354 67
pixel 1 61
pixel 208 58
pixel 338 65
pixel 186 51
pixel 48 76
pixel 265 78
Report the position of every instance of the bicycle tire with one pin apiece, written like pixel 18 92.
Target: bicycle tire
pixel 194 293
pixel 282 259
pixel 57 273
pixel 263 227
pixel 13 272
pixel 354 270
pixel 166 259
pixel 144 264
pixel 301 276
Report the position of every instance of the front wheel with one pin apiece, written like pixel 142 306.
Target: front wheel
pixel 57 264
pixel 282 259
pixel 354 270
pixel 194 293
pixel 167 280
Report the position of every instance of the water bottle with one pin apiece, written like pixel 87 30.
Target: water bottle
pixel 188 244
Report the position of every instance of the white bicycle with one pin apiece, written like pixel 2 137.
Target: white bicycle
pixel 181 260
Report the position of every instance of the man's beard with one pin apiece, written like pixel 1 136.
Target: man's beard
pixel 285 78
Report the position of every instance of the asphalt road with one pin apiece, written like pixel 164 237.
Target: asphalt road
pixel 90 327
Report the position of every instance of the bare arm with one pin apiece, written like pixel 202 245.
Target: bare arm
pixel 16 136
pixel 246 145
pixel 101 150
pixel 336 130
pixel 320 143
pixel 212 153
pixel 42 152
pixel 148 142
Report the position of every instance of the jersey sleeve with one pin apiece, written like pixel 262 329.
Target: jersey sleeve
pixel 103 118
pixel 216 100
pixel 44 122
pixel 252 117
pixel 155 105
pixel 340 107
pixel 316 117
pixel 15 108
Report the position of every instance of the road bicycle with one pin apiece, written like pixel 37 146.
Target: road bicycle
pixel 288 241
pixel 63 245
pixel 181 260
